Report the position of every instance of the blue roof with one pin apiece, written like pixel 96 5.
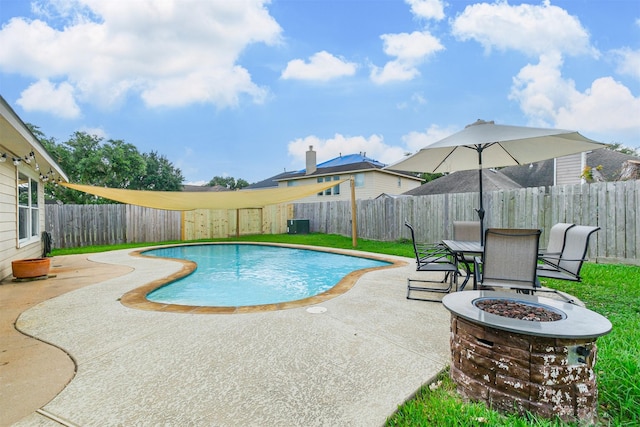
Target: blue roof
pixel 348 160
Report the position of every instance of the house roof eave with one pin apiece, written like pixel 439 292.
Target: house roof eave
pixel 15 134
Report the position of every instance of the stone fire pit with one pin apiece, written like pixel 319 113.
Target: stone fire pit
pixel 514 362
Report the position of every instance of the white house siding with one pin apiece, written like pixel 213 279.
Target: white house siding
pixel 345 190
pixel 9 249
pixel 17 141
pixel 392 184
pixel 569 169
pixel 375 183
pixel 7 211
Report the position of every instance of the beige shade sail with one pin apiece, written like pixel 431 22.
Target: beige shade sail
pixel 186 201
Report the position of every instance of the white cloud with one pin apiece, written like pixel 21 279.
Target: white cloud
pixel 394 71
pixel 417 99
pixel 410 50
pixel 607 108
pixel 428 9
pixel 530 29
pixel 44 96
pixel 541 90
pixel 414 141
pixel 628 62
pixel 322 66
pixel 203 86
pixel 173 52
pixel 99 132
pixel 327 149
pixel 411 47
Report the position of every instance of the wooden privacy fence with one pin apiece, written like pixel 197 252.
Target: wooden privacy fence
pixel 74 226
pixel 613 206
pixel 212 224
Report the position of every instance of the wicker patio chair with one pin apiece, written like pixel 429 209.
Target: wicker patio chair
pixel 431 258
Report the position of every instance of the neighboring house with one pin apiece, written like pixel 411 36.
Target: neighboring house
pixel 465 182
pixel 25 166
pixel 568 169
pixel 269 182
pixel 608 164
pixel 369 177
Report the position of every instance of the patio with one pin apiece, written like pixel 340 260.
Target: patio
pixel 351 365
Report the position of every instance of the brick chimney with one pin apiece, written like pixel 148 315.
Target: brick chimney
pixel 311 161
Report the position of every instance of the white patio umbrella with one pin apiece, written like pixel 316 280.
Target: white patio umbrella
pixel 487 145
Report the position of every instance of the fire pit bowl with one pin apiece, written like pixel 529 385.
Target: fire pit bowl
pixel 515 308
pixel 513 362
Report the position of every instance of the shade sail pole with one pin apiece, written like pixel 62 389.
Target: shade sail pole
pixel 354 216
pixel 481 209
pixel 237 223
pixel 183 224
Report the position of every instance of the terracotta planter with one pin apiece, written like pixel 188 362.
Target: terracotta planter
pixel 28 268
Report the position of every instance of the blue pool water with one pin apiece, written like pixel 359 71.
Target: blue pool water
pixel 231 275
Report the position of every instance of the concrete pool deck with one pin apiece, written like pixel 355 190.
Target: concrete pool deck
pixel 350 363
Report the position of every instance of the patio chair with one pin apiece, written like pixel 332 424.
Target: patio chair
pixel 568 264
pixel 557 236
pixel 509 260
pixel 466 231
pixel 432 258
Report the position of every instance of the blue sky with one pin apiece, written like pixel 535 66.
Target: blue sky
pixel 241 88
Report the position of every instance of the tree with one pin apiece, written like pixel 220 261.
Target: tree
pixel 160 174
pixel 430 176
pixel 228 182
pixel 82 160
pixel 123 165
pixel 616 146
pixel 87 159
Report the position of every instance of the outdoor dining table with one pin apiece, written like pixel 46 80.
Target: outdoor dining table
pixel 459 249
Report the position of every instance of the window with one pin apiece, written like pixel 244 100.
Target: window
pixel 28 212
pixel 320 179
pixel 335 190
pixel 359 178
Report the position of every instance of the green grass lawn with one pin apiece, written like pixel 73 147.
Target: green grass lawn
pixel 611 290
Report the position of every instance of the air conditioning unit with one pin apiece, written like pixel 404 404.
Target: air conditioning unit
pixel 298 226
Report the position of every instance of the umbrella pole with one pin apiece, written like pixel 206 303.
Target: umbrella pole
pixel 481 209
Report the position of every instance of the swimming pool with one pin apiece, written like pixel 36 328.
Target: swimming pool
pixel 232 275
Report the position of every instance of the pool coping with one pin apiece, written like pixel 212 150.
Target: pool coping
pixel 137 298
